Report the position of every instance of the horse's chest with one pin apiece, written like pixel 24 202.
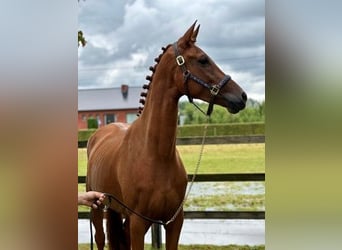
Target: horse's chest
pixel 165 200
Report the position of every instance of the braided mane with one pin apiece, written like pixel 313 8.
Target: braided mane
pixel 150 78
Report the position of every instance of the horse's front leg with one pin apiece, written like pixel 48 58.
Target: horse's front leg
pixel 173 232
pixel 138 228
pixel 127 233
pixel 97 218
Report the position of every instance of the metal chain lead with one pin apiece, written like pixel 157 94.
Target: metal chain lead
pixel 195 173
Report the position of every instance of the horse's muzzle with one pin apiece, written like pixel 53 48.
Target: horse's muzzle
pixel 234 103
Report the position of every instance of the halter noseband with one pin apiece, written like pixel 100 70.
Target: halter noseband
pixel 214 89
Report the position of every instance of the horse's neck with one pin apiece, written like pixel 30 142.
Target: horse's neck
pixel 160 116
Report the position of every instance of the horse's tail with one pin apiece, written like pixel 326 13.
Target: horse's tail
pixel 115 231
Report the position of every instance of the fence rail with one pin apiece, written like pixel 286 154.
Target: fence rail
pixel 225 215
pixel 197 140
pixel 214 177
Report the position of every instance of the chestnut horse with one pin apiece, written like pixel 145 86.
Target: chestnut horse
pixel 139 164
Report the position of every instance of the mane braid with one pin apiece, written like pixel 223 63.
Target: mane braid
pixel 150 78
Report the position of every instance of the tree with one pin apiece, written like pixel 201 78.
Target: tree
pixel 81 39
pixel 92 123
pixel 254 112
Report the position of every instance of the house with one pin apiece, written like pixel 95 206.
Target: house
pixel 108 105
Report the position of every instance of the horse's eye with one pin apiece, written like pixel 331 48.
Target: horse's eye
pixel 203 60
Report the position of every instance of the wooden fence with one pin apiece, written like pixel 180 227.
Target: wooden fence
pixel 196 140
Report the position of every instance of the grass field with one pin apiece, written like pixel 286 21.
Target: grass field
pixel 223 158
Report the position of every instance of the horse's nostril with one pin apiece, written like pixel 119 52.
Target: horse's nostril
pixel 244 96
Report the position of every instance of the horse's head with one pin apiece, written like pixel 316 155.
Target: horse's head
pixel 198 76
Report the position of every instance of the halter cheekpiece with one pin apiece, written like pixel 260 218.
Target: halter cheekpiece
pixel 213 88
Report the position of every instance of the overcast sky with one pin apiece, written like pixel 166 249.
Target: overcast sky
pixel 124 37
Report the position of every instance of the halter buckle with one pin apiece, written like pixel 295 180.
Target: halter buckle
pixel 180 60
pixel 214 90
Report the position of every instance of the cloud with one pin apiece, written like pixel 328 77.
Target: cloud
pixel 125 36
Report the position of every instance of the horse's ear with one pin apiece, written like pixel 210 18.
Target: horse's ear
pixel 189 36
pixel 194 34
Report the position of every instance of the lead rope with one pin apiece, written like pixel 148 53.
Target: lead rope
pixel 91 230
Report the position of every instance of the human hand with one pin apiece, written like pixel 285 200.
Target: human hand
pixel 91 199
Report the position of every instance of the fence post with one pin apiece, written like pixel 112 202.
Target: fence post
pixel 156 235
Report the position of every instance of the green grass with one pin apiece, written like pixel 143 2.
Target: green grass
pixel 226 158
pixel 223 158
pixel 196 247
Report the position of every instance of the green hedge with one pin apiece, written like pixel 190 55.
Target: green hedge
pixel 197 130
pixel 84 134
pixel 222 129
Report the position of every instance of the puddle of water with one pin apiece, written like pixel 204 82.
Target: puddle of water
pixel 205 190
pixel 220 188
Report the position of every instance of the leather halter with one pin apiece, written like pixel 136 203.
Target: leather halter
pixel 213 88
